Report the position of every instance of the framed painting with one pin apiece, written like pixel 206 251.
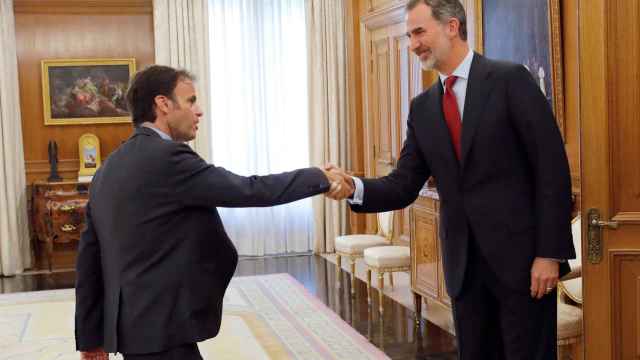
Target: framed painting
pixel 526 32
pixel 86 91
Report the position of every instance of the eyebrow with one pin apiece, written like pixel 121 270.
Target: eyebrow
pixel 414 31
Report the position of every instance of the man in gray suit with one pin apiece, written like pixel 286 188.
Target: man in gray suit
pixel 154 261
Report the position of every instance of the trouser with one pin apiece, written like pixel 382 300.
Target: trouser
pixel 495 322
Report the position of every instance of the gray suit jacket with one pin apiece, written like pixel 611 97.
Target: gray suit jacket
pixel 154 261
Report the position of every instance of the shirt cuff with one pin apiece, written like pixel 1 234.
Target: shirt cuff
pixel 556 260
pixel 358 194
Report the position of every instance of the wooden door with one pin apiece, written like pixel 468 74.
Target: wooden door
pixel 408 84
pixel 392 78
pixel 610 175
pixel 381 109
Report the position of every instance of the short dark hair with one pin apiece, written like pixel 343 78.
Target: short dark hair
pixel 443 10
pixel 154 80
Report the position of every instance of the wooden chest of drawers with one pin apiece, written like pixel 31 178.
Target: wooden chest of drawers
pixel 58 219
pixel 427 274
pixel 427 277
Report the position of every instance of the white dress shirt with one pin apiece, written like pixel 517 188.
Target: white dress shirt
pixel 460 87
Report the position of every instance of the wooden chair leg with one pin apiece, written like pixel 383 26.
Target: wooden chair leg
pixel 562 353
pixel 380 288
pixel 353 276
pixel 391 279
pixel 50 253
pixel 417 302
pixel 368 286
pixel 338 268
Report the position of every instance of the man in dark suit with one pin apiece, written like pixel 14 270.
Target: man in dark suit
pixel 154 261
pixel 487 135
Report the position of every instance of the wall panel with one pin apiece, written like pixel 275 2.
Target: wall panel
pixel 74 29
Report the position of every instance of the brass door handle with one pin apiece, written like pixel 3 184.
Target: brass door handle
pixel 594 234
pixel 610 224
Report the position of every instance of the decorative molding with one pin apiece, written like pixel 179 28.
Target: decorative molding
pixel 555 33
pixel 627 217
pixel 384 16
pixel 479 46
pixel 354 136
pixel 619 316
pixel 83 6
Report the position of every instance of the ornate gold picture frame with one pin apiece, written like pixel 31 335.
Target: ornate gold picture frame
pixel 86 91
pixel 526 32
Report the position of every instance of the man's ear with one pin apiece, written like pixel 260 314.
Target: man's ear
pixel 453 26
pixel 161 103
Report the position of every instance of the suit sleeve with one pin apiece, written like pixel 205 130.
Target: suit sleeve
pixel 89 290
pixel 542 142
pixel 201 184
pixel 401 187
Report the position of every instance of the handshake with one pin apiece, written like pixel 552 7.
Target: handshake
pixel 342 185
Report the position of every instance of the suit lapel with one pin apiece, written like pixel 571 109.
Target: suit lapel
pixel 478 88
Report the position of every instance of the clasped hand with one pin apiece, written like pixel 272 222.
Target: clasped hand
pixel 342 185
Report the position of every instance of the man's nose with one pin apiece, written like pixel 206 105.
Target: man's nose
pixel 413 44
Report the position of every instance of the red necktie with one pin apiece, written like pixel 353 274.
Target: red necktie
pixel 451 113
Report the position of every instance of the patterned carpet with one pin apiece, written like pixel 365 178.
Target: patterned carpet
pixel 265 317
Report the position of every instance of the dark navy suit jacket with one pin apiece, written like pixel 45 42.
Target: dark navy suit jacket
pixel 512 187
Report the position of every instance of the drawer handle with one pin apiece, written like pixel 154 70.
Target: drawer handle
pixel 67 207
pixel 68 228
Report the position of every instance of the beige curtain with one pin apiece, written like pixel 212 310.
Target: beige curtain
pixel 15 247
pixel 181 30
pixel 328 110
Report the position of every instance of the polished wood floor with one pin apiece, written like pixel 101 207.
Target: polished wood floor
pixel 394 333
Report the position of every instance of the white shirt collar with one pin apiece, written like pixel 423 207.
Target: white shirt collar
pixel 462 71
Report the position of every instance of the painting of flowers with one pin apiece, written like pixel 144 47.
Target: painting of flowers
pixel 86 91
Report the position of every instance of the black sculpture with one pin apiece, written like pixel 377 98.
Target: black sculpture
pixel 53 162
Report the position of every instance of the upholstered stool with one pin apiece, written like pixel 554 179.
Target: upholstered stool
pixel 569 335
pixel 385 259
pixel 353 246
